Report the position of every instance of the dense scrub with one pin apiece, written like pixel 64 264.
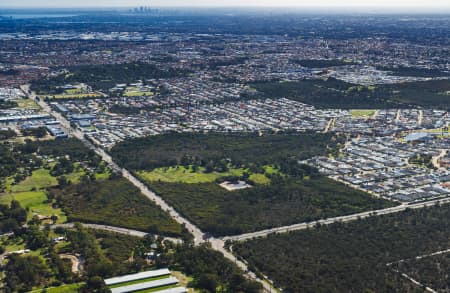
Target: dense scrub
pixel 333 93
pixel 71 147
pixel 350 257
pixel 211 270
pixel 414 71
pixel 203 149
pixel 322 63
pixel 283 202
pixel 431 271
pixel 295 193
pixel 114 202
pixel 103 77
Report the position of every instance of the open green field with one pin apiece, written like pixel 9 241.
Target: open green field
pixel 70 288
pixel 77 96
pixel 139 281
pixel 73 91
pixel 158 289
pixel 362 113
pixel 42 179
pixel 186 175
pixel 39 179
pixel 36 202
pixel 138 94
pixel 31 192
pixel 259 178
pixel 27 104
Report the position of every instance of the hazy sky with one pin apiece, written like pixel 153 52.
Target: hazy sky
pixel 227 3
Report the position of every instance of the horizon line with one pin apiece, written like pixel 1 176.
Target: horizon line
pixel 319 7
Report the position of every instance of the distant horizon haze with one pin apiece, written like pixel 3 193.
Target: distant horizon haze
pixel 398 5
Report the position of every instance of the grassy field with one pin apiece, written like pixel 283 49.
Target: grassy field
pixel 27 104
pixel 139 281
pixel 138 94
pixel 70 288
pixel 184 281
pixel 31 192
pixel 36 202
pixel 362 113
pixel 158 289
pixel 39 179
pixel 182 174
pixel 186 175
pixel 259 178
pixel 77 96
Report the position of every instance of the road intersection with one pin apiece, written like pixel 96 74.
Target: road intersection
pixel 199 236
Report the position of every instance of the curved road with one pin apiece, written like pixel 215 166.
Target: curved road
pixel 114 229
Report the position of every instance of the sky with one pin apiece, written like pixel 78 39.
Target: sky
pixel 407 4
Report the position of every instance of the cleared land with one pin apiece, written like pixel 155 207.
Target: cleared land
pixel 27 104
pixel 362 113
pixel 189 175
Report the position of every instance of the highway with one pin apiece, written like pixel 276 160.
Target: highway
pixel 199 236
pixel 328 221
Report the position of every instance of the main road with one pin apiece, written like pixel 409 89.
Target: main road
pixel 199 236
pixel 328 221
